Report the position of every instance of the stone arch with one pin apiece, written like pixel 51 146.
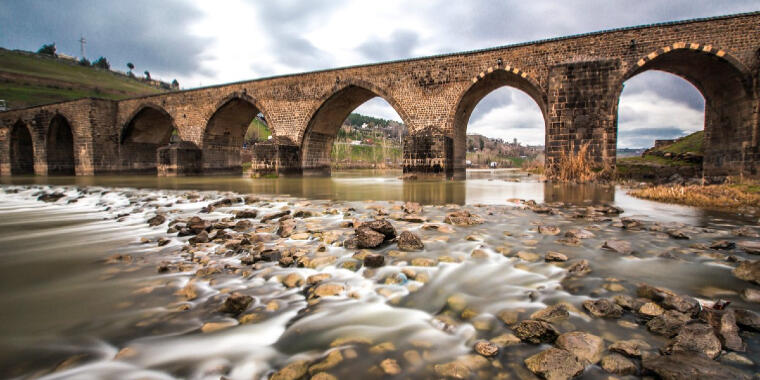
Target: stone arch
pixel 60 147
pixel 327 116
pixel 224 133
pixel 147 129
pixel 21 149
pixel 726 85
pixel 481 85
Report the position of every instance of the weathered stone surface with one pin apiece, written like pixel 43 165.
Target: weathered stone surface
pixel 292 371
pixel 695 337
pixel 586 347
pixel 748 271
pixel 686 365
pixel 368 238
pixel 667 324
pixel 535 332
pixel 412 208
pixel 374 260
pixel 407 241
pixel 579 268
pixel 619 246
pixel 750 246
pixel 651 309
pixel 486 348
pixel 551 314
pixel 275 215
pixel 326 290
pixel 462 218
pixel 548 230
pixel 747 319
pixel 246 214
pixel 156 220
pixel 579 234
pixel 555 256
pixel 724 324
pixel 236 303
pixel 554 364
pixel 603 308
pixel 382 226
pixel 462 367
pixel 630 347
pixel 617 364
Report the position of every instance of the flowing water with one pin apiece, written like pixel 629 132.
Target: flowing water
pixel 82 297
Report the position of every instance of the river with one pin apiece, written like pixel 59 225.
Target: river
pixel 82 296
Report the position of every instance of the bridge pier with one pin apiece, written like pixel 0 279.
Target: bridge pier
pixel 276 157
pixel 179 159
pixel 429 153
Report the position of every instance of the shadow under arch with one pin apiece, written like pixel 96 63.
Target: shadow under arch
pixel 224 133
pixel 481 86
pixel 60 147
pixel 147 129
pixel 725 84
pixel 327 117
pixel 21 149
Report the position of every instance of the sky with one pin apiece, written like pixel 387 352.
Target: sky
pixel 202 42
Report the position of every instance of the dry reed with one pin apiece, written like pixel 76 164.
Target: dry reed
pixel 577 166
pixel 710 196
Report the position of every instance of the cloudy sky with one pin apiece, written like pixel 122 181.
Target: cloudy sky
pixel 203 42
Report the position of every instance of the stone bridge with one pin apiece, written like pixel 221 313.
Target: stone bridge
pixel 576 82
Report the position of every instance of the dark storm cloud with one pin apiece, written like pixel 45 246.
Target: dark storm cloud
pixel 151 34
pixel 400 44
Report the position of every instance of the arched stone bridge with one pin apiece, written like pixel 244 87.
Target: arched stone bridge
pixel 576 82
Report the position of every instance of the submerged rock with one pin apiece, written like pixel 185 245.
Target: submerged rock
pixel 462 218
pixel 630 347
pixel 487 349
pixel 748 271
pixel 618 365
pixel 292 371
pixel 374 260
pixel 552 256
pixel 619 246
pixel 156 220
pixel 579 268
pixel 552 314
pixel 548 230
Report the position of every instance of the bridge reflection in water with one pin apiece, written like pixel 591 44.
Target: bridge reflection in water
pixel 488 187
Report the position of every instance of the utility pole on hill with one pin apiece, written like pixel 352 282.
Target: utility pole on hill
pixel 82 41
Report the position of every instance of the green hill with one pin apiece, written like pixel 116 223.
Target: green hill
pixel 29 79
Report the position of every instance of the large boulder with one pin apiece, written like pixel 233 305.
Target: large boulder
pixel 724 324
pixel 368 238
pixel 382 226
pixel 695 337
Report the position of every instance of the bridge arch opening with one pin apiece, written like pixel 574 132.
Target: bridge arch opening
pixel 507 112
pixel 150 128
pixel 229 135
pixel 60 147
pixel 21 150
pixel 720 81
pixel 337 137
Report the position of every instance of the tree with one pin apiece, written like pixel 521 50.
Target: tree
pixel 48 49
pixel 147 74
pixel 130 66
pixel 102 63
pixel 85 62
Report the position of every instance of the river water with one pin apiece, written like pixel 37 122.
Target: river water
pixel 82 296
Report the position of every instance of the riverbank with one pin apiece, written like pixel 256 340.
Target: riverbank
pixel 245 286
pixel 743 198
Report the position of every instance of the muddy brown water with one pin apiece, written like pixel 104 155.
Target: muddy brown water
pixel 68 307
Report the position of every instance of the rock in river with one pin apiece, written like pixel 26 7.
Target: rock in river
pixel 368 238
pixel 236 303
pixel 586 347
pixel 535 332
pixel 683 365
pixel 695 337
pixel 620 246
pixel 748 271
pixel 462 218
pixel 408 241
pixel 603 308
pixel 618 365
pixel 156 220
pixel 554 364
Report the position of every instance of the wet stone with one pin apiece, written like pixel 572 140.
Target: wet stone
pixel 552 256
pixel 579 268
pixel 678 234
pixel 548 230
pixel 390 367
pixel 368 238
pixel 236 303
pixel 552 314
pixel 695 337
pixel 619 246
pixel 651 309
pixel 630 347
pixel 747 319
pixel 326 290
pixel 554 364
pixel 156 220
pixel 725 327
pixel 276 215
pixel 533 331
pixel 586 347
pixel 374 260
pixel 505 340
pixel 293 280
pixel 486 349
pixel 748 271
pixel 668 324
pixel 751 295
pixel 246 214
pixel 509 317
pixel 408 241
pixel 579 234
pixel 683 365
pixel 617 364
pixel 462 218
pixel 292 371
pixel 603 308
pixel 722 244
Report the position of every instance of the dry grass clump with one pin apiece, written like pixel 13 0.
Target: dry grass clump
pixel 577 167
pixel 723 196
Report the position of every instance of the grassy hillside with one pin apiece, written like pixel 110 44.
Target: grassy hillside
pixel 257 130
pixel 28 79
pixel 691 143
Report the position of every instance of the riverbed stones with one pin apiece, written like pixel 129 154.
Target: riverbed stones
pixel 293 280
pixel 748 271
pixel 486 348
pixel 249 213
pixel 390 367
pixel 554 364
pixel 382 226
pixel 678 234
pixel 747 319
pixel 631 347
pixel 236 303
pixel 368 238
pixel 373 260
pixel 412 208
pixel 462 218
pixel 579 234
pixel 552 256
pixel 156 220
pixel 550 230
pixel 686 365
pixel 50 197
pixel 617 364
pixel 724 325
pixel 408 241
pixel 210 327
pixel 195 225
pixel 275 215
pixel 603 308
pixel 751 295
pixel 462 367
pixel 534 331
pixel 668 299
pixel 552 314
pixel 579 268
pixel 746 231
pixel 586 347
pixel 332 359
pixel 329 289
pixel 630 223
pixel 722 244
pixel 292 371
pixel 695 337
pixel 619 246
pixel 242 225
pixel 651 309
pixel 668 323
